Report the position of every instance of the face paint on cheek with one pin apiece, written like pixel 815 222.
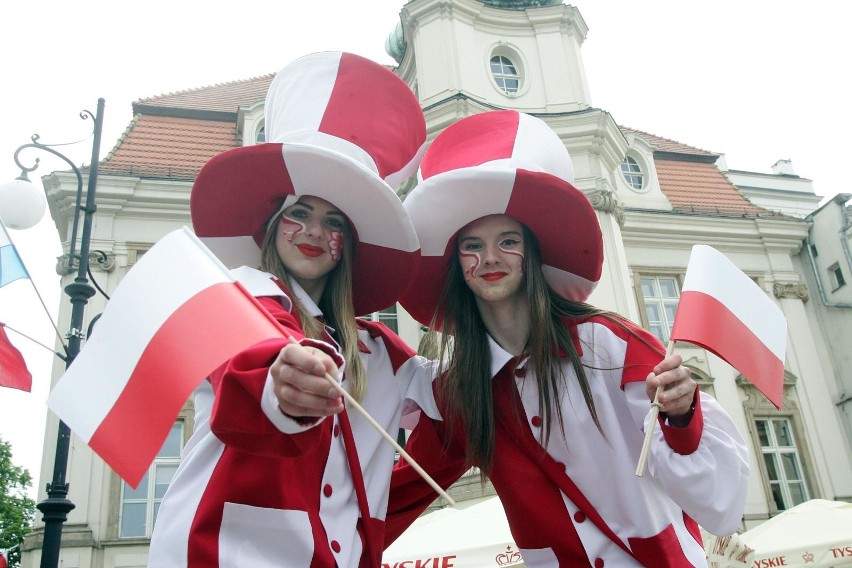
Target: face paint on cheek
pixel 469 262
pixel 291 227
pixel 515 253
pixel 335 245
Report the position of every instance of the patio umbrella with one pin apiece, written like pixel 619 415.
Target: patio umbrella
pixel 475 537
pixel 815 534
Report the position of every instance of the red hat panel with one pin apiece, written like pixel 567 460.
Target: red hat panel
pixel 371 114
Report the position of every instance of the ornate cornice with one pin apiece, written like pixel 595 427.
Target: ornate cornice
pixel 606 201
pixel 792 291
pixel 97 259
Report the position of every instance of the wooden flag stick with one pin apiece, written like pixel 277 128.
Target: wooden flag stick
pixel 354 404
pixel 649 433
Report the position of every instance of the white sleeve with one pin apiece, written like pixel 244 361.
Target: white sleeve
pixel 416 376
pixel 709 484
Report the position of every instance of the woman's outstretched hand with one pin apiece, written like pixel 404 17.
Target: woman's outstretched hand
pixel 300 383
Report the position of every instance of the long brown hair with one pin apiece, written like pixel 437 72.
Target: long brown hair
pixel 464 390
pixel 336 303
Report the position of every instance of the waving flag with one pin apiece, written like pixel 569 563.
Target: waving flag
pixel 13 369
pixel 724 311
pixel 11 267
pixel 174 318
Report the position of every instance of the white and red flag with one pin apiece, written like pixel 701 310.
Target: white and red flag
pixel 726 312
pixel 173 319
pixel 13 369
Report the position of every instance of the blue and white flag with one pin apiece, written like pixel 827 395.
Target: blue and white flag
pixel 11 266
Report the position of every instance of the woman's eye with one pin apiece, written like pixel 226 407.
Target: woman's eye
pixel 509 243
pixel 334 223
pixel 296 214
pixel 471 247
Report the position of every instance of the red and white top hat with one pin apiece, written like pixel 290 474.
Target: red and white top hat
pixel 342 128
pixel 502 162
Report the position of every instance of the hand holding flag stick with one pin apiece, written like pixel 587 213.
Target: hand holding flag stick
pixel 649 433
pixel 726 312
pixel 354 404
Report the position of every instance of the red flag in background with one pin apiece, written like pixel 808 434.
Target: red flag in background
pixel 175 317
pixel 726 312
pixel 4 558
pixel 13 369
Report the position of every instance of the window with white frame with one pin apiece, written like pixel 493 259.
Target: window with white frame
pixel 783 465
pixel 139 506
pixel 261 135
pixel 505 74
pixel 631 170
pixel 660 295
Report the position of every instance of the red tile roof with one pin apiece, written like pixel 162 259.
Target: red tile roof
pixel 173 135
pixel 661 144
pixel 168 147
pixel 695 187
pixel 225 97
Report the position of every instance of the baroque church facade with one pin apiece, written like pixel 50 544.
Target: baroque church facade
pixel 654 197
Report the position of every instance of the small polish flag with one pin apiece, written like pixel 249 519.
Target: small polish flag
pixel 4 559
pixel 13 369
pixel 726 312
pixel 173 319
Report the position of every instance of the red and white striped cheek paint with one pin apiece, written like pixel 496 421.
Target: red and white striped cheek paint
pixel 470 262
pixel 514 252
pixel 290 227
pixel 335 245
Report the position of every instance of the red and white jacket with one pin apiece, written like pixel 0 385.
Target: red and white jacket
pixel 575 500
pixel 258 488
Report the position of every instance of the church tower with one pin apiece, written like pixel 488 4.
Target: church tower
pixel 464 57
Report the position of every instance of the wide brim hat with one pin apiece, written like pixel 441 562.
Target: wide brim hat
pixel 502 162
pixel 341 128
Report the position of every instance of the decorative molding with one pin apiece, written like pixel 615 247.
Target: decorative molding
pixel 605 200
pixel 105 262
pixel 793 291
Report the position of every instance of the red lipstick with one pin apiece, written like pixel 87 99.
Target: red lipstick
pixel 311 250
pixel 493 276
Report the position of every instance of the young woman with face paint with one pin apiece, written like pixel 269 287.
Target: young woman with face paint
pixel 278 472
pixel 547 395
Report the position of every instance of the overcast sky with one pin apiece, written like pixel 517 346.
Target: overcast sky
pixel 757 80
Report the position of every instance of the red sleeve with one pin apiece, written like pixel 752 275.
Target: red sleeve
pixel 237 418
pixel 685 440
pixel 410 495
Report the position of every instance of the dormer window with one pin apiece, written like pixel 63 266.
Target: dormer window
pixel 261 135
pixel 505 74
pixel 632 172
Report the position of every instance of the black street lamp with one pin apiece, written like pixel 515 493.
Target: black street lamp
pixel 56 507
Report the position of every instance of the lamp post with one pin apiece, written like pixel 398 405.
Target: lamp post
pixel 56 507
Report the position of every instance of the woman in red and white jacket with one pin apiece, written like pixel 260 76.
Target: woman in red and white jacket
pixel 547 395
pixel 278 473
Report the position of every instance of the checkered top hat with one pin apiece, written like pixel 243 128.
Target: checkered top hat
pixel 339 127
pixel 502 162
